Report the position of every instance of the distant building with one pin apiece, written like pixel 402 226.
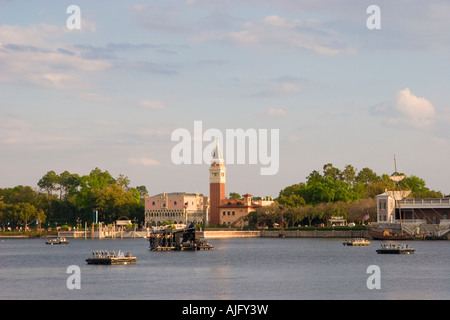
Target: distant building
pixel 419 215
pixel 180 207
pixel 233 211
pixel 230 212
pixel 176 207
pixel 337 221
pixel 217 179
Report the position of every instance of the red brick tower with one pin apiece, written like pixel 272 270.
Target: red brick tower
pixel 216 185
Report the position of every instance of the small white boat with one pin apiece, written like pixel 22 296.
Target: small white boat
pixel 391 248
pixel 110 258
pixel 357 242
pixel 57 241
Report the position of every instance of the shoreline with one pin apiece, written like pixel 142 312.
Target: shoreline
pixel 216 234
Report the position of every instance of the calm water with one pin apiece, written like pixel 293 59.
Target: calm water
pixel 252 268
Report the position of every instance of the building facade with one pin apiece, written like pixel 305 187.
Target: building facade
pixel 217 180
pixel 233 211
pixel 430 216
pixel 176 207
pixel 180 207
pixel 229 212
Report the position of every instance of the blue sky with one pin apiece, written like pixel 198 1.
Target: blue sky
pixel 110 94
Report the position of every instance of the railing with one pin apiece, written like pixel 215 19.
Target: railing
pixel 437 201
pixel 237 220
pixel 413 221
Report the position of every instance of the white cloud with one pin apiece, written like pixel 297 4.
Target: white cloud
pixel 282 86
pixel 33 55
pixel 147 162
pixel 274 31
pixel 417 111
pixel 275 112
pixel 18 133
pixel 106 123
pixel 94 97
pixel 407 109
pixel 152 104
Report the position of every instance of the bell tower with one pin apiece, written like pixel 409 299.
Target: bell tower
pixel 217 173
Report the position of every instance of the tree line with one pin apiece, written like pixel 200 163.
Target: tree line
pixel 69 199
pixel 334 192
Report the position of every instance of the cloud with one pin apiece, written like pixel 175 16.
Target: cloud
pixel 167 18
pixel 407 109
pixel 148 67
pixel 275 112
pixel 106 123
pixel 152 104
pixel 275 31
pixel 147 162
pixel 417 111
pixel 33 55
pixel 22 134
pixel 90 96
pixel 282 86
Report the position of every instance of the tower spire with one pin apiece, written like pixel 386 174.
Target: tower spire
pixel 217 154
pixel 217 173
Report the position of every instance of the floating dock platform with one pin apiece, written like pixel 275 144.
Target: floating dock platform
pixel 107 258
pixel 357 242
pixel 178 240
pixel 395 249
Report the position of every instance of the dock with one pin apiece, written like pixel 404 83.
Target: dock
pixel 110 258
pixel 178 240
pixel 395 249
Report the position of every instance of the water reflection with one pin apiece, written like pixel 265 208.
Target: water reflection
pixel 256 268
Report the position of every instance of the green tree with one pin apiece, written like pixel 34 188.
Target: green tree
pixel 25 213
pixel 114 202
pixel 268 216
pixel 349 174
pixel 68 183
pixel 291 196
pixel 142 192
pixel 234 195
pixel 123 181
pixel 49 182
pixel 418 188
pixel 366 176
pixel 98 179
pixel 331 172
pixel 294 215
pixel 360 207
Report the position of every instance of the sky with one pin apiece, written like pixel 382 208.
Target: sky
pixel 111 93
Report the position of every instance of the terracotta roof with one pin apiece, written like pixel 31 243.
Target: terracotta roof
pixel 235 203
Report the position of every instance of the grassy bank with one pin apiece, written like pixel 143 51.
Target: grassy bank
pixel 29 234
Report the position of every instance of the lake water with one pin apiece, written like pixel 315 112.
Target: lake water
pixel 237 269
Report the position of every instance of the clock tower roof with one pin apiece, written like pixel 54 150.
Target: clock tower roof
pixel 217 157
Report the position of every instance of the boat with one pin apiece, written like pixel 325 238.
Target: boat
pixel 391 248
pixel 357 242
pixel 383 234
pixel 110 258
pixel 57 241
pixel 178 240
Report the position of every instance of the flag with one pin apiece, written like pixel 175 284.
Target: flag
pixel 366 216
